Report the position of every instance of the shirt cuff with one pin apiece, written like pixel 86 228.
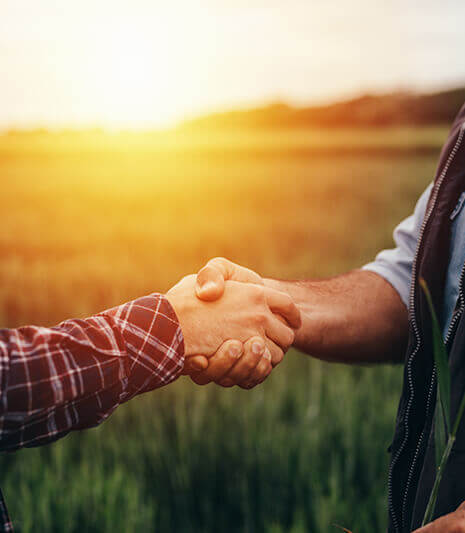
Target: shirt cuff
pixel 397 280
pixel 154 343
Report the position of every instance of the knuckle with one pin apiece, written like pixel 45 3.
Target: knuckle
pixel 258 293
pixel 261 318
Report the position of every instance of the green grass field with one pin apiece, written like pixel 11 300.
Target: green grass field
pixel 89 221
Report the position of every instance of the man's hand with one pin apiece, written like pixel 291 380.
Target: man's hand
pixel 244 311
pixel 451 523
pixel 357 317
pixel 236 363
pixel 209 287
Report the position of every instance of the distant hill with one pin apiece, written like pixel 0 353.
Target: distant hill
pixel 396 109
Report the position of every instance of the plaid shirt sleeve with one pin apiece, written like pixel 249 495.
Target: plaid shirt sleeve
pixel 74 375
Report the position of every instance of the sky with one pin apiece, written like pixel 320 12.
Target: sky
pixel 148 63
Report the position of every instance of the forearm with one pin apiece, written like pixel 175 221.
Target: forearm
pixel 73 376
pixel 357 317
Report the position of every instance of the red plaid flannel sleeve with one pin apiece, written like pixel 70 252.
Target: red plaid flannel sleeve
pixel 73 376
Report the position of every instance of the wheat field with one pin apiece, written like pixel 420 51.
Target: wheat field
pixel 92 219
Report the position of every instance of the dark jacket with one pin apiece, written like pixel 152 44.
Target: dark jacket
pixel 412 469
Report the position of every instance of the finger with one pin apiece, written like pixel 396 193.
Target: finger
pixel 450 522
pixel 211 278
pixel 210 283
pixel 226 382
pixel 277 354
pixel 200 379
pixel 260 373
pixel 227 355
pixel 194 364
pixel 254 348
pixel 279 333
pixel 282 304
pixel 272 356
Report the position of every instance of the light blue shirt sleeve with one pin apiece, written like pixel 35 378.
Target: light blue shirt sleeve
pixel 395 265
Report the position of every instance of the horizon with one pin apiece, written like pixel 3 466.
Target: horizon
pixel 89 65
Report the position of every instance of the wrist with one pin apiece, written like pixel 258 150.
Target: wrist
pixel 315 321
pixel 183 308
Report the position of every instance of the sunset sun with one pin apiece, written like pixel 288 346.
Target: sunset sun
pixel 135 76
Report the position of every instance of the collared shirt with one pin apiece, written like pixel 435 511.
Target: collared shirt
pixel 395 265
pixel 73 376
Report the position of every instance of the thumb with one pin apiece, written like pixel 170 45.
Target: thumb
pixel 210 280
pixel 210 283
pixel 194 364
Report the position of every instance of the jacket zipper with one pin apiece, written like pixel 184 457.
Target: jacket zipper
pixel 417 347
pixel 455 318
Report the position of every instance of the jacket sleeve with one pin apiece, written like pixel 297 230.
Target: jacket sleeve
pixel 73 376
pixel 395 264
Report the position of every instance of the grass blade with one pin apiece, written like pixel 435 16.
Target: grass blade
pixel 459 416
pixel 434 493
pixel 440 437
pixel 440 359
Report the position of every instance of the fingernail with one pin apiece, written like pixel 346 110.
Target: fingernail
pixel 257 348
pixel 196 366
pixel 235 351
pixel 267 355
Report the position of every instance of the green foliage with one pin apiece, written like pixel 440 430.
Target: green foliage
pixel 304 451
pixel 444 434
pixel 442 422
pixel 86 226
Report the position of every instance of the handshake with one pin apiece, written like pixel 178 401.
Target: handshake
pixel 235 328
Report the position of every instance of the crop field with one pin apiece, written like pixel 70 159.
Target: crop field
pixel 92 219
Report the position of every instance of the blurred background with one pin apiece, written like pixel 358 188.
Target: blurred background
pixel 138 141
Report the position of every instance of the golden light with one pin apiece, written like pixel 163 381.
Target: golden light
pixel 134 76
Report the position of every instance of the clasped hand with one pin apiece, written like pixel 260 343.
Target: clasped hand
pixel 235 329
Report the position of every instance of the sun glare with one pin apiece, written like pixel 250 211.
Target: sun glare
pixel 136 77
